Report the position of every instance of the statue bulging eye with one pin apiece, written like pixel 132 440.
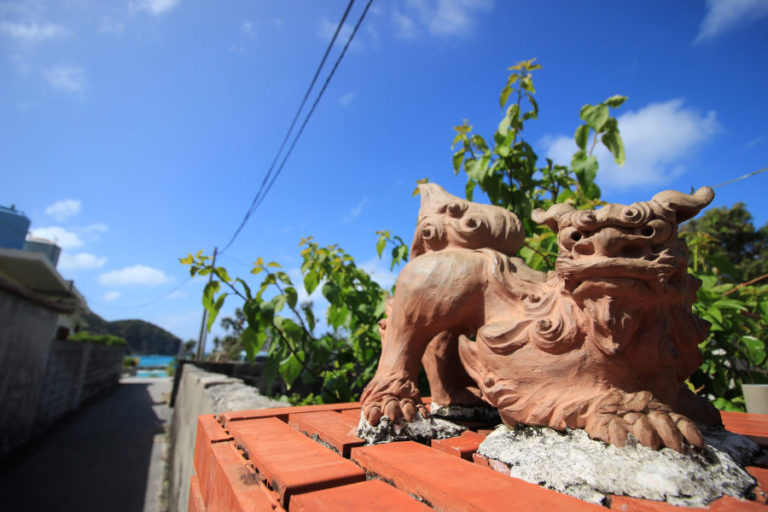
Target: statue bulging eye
pixel 568 237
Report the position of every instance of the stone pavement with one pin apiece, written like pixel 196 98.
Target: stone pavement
pixel 106 456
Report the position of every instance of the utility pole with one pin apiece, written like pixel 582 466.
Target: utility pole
pixel 203 330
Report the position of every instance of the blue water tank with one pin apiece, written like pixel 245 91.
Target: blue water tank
pixel 13 228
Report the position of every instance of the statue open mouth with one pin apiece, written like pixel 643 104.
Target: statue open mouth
pixel 616 274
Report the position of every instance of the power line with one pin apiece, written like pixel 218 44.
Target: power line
pixel 317 100
pixel 741 177
pixel 264 182
pixel 152 301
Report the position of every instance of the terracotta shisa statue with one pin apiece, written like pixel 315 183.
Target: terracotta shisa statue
pixel 602 343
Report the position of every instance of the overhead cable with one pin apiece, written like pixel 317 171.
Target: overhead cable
pixel 265 181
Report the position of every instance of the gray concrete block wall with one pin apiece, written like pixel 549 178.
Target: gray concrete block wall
pixel 42 379
pixel 60 389
pixel 200 392
pixel 26 334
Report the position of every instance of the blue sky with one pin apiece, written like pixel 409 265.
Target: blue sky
pixel 135 131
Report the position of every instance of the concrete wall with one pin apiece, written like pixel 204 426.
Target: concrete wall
pixel 42 379
pixel 26 334
pixel 201 392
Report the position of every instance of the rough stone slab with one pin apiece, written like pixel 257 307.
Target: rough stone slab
pixel 572 463
pixel 422 430
pixel 483 413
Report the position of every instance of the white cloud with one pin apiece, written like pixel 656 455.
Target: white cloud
pixel 80 261
pixel 60 236
pixel 137 275
pixel 96 228
pixel 379 271
pixel 62 210
pixel 657 138
pixel 247 29
pixel 355 212
pixel 155 7
pixel 185 325
pixel 327 28
pixel 724 15
pixel 32 32
pixel 442 18
pixel 178 294
pixel 111 26
pixel 66 78
pixel 111 296
pixel 348 98
pixel 406 27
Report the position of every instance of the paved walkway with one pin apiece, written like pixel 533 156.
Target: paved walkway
pixel 105 457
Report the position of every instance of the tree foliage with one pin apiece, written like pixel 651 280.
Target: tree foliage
pixel 729 256
pixel 507 170
pixel 99 339
pixel 320 360
pixel 730 244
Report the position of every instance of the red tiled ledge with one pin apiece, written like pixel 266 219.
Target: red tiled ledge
pixel 309 459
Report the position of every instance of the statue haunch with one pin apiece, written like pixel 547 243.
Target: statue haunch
pixel 604 342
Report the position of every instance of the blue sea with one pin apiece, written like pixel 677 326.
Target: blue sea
pixel 155 361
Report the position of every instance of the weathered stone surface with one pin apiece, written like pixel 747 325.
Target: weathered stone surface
pixel 572 463
pixel 420 429
pixel 464 412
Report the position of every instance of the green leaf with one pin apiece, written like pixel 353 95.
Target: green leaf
pixel 273 264
pixel 211 288
pixel 279 302
pixel 613 142
pixel 458 157
pixel 309 315
pixel 478 141
pixel 505 92
pixel 615 101
pixel 311 281
pixel 290 368
pixel 469 189
pixel 283 277
pixel 213 311
pixel 399 255
pixel 253 341
pixel 755 349
pixel 188 260
pixel 267 311
pixel 596 116
pixel 504 124
pixel 585 169
pixel 726 405
pixel 291 296
pixel 221 272
pixel 380 244
pixel 582 136
pixel 527 83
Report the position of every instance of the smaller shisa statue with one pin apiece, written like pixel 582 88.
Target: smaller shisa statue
pixel 603 343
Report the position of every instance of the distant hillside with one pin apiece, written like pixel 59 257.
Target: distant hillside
pixel 142 337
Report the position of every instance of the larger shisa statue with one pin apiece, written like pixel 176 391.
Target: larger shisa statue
pixel 603 343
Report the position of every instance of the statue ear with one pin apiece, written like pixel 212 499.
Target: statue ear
pixel 685 206
pixel 552 215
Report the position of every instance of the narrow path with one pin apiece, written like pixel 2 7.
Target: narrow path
pixel 98 459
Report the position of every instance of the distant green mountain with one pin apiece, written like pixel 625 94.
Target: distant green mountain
pixel 142 337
